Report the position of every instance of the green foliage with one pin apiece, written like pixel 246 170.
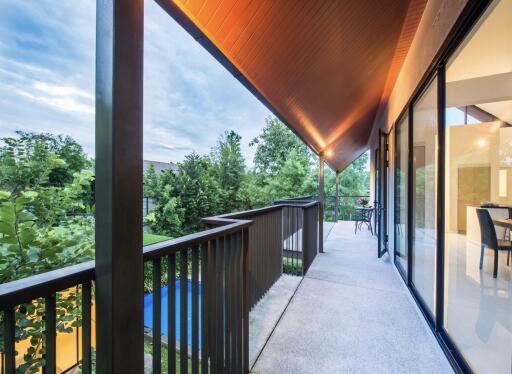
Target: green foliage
pixel 284 167
pixel 229 166
pixel 354 181
pixel 273 147
pixel 194 190
pixel 45 224
pixel 63 147
pixel 25 165
pixel 294 178
pixel 199 191
pixel 292 266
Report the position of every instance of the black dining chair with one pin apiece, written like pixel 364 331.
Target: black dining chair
pixel 506 232
pixel 363 215
pixel 490 241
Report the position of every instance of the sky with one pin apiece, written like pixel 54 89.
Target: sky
pixel 47 57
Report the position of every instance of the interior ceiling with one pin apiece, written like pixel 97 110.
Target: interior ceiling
pixel 322 66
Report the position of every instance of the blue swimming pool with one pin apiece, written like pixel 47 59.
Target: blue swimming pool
pixel 148 311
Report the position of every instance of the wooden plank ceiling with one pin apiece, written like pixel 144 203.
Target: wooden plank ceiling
pixel 323 66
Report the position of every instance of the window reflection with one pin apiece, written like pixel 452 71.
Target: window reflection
pixel 478 306
pixel 402 131
pixel 424 194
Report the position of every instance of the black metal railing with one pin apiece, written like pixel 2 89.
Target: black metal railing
pixel 346 205
pixel 219 314
pixel 299 247
pixel 277 242
pixel 229 268
pixel 16 298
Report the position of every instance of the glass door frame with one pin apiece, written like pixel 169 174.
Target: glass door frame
pixel 465 23
pixel 381 194
pixel 401 270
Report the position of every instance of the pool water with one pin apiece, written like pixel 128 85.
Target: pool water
pixel 148 311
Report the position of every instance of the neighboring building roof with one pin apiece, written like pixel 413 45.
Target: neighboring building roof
pixel 160 166
pixel 322 66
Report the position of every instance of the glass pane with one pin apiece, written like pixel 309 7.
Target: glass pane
pixel 424 193
pixel 402 131
pixel 478 303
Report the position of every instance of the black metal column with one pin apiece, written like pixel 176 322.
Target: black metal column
pixel 337 202
pixel 119 268
pixel 410 196
pixel 440 216
pixel 322 202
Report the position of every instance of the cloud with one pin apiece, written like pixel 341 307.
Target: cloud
pixel 47 81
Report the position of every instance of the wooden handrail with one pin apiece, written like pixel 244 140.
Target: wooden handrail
pixel 40 285
pixel 170 246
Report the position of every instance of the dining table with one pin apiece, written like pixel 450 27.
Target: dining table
pixel 504 222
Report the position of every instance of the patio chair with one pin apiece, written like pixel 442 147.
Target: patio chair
pixel 363 215
pixel 489 240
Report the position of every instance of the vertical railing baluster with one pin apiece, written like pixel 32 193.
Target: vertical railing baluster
pixel 219 285
pixel 171 313
pixel 285 234
pixel 234 300
pixel 245 300
pixel 212 306
pixel 237 302
pixel 50 325
pixel 300 215
pixel 10 340
pixel 183 312
pixel 267 268
pixel 157 321
pixel 296 235
pixel 292 238
pixel 290 253
pixel 204 321
pixel 195 310
pixel 228 301
pixel 86 328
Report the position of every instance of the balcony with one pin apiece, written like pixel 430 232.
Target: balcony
pixel 243 313
pixel 229 268
pixel 351 313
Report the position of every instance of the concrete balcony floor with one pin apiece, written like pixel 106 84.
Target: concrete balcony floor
pixel 351 314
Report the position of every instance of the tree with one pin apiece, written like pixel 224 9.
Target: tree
pixel 354 181
pixel 229 166
pixel 168 214
pixel 65 148
pixel 294 178
pixel 182 200
pixel 42 228
pixel 198 190
pixel 253 193
pixel 26 165
pixel 152 183
pixel 274 145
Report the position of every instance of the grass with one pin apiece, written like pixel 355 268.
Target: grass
pixel 292 266
pixel 153 238
pixel 148 348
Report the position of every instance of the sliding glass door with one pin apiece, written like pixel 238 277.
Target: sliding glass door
pixel 401 185
pixel 424 191
pixel 478 277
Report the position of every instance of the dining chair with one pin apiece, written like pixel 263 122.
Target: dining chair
pixel 489 239
pixel 364 215
pixel 506 232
